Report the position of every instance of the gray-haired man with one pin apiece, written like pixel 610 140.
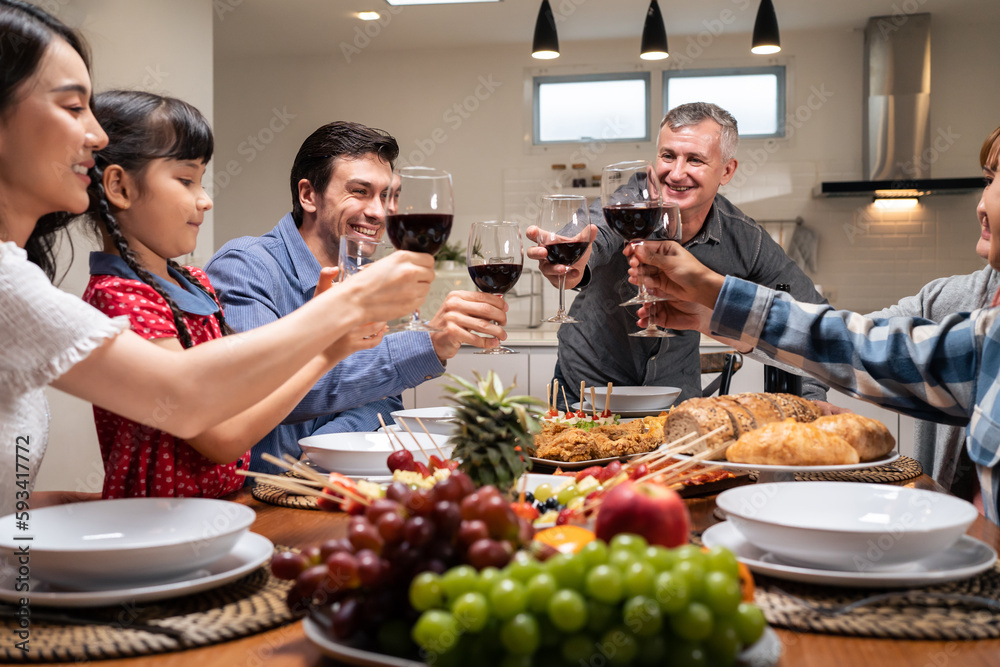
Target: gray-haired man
pixel 695 155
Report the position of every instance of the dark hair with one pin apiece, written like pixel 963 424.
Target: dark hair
pixel 317 154
pixel 143 127
pixel 990 152
pixel 25 33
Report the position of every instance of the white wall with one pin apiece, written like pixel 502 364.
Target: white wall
pixel 866 261
pixel 164 46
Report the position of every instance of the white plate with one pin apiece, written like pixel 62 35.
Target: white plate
pixel 729 465
pixel 634 399
pixel 251 551
pixel 847 525
pixel 966 558
pixel 365 454
pixel 435 420
pixel 128 541
pixel 624 413
pixel 764 653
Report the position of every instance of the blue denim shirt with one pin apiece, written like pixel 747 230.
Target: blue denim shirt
pixel 947 372
pixel 599 349
pixel 261 278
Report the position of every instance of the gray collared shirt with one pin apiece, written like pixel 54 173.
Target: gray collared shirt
pixel 599 349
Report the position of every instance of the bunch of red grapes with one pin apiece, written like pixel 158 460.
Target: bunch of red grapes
pixel 363 580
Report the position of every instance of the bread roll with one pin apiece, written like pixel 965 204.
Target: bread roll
pixel 798 408
pixel 700 416
pixel 741 416
pixel 791 443
pixel 869 437
pixel 763 408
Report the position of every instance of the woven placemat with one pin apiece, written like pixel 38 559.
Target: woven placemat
pixel 899 470
pixel 275 495
pixel 245 607
pixel 913 614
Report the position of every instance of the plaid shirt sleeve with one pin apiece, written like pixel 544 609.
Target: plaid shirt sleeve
pixel 911 365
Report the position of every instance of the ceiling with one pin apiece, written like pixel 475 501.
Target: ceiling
pixel 301 27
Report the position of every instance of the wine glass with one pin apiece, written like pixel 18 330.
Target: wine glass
pixel 356 253
pixel 631 196
pixel 564 222
pixel 495 259
pixel 419 219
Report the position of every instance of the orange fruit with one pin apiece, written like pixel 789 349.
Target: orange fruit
pixel 565 539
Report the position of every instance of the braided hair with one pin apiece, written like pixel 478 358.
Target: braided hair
pixel 143 127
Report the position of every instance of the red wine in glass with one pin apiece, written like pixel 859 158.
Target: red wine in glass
pixel 566 253
pixel 418 232
pixel 495 278
pixel 495 257
pixel 564 225
pixel 633 221
pixel 419 212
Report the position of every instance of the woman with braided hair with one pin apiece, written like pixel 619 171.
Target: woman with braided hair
pixel 147 203
pixel 48 137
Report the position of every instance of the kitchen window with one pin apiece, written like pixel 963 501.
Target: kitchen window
pixel 591 107
pixel 754 95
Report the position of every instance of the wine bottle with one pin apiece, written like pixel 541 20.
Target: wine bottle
pixel 779 381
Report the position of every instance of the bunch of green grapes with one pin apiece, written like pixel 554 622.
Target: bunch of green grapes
pixel 618 604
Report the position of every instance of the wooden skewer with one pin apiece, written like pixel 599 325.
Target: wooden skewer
pixel 656 453
pixel 290 463
pixel 565 401
pixel 392 434
pixel 386 429
pixel 607 399
pixel 417 442
pixel 555 395
pixel 593 403
pixel 583 395
pixel 431 438
pixel 289 485
pixel 524 487
pixel 548 394
pixel 684 465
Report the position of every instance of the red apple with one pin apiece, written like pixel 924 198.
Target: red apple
pixel 655 512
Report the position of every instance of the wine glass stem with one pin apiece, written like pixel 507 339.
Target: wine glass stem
pixel 642 286
pixel 416 317
pixel 562 294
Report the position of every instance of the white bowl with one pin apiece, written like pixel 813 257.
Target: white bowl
pixel 365 454
pixel 632 399
pixel 846 526
pixel 108 543
pixel 435 420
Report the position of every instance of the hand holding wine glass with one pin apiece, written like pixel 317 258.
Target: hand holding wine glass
pixel 420 218
pixel 495 259
pixel 564 230
pixel 634 208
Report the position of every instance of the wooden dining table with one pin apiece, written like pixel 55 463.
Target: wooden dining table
pixel 287 646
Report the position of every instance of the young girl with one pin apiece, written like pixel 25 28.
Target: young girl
pixel 48 136
pixel 150 204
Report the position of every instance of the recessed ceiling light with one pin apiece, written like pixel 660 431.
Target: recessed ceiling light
pixel 369 16
pixel 402 3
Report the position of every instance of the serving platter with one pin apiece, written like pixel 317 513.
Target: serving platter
pixel 776 473
pixel 764 653
pixel 631 414
pixel 251 551
pixel 966 558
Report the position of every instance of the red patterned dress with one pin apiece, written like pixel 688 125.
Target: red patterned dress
pixel 140 460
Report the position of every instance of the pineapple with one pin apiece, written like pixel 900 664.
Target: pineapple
pixel 491 425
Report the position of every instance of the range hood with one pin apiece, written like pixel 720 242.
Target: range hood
pixel 898 149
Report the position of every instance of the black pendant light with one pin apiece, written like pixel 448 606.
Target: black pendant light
pixel 766 39
pixel 654 36
pixel 546 43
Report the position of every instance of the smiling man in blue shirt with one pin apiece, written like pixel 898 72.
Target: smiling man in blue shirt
pixel 340 180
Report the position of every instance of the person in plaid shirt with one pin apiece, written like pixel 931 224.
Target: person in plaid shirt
pixel 947 372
